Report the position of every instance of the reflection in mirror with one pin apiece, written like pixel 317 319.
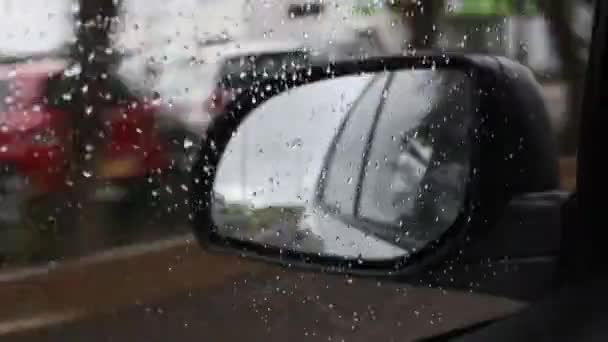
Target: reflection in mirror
pixel 370 166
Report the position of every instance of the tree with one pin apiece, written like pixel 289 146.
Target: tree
pixel 421 17
pixel 559 16
pixel 93 51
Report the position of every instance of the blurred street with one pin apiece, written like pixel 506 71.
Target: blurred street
pixel 114 259
pixel 275 305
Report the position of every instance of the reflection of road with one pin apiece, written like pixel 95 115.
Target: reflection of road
pixel 290 236
pixel 272 226
pixel 233 225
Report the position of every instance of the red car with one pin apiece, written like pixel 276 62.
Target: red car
pixel 39 150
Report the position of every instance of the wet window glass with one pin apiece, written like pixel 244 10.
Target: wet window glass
pixel 106 104
pixel 238 72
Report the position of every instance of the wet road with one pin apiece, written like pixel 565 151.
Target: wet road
pixel 280 305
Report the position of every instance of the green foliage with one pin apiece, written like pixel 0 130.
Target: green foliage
pixel 474 7
pixel 367 8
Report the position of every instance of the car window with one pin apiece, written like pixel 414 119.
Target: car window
pixel 343 167
pixel 96 238
pixel 238 71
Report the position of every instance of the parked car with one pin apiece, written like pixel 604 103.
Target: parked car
pixel 34 138
pixel 47 143
pixel 239 63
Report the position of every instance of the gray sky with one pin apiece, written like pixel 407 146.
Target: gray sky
pixel 34 25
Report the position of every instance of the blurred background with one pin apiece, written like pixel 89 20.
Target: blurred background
pixel 104 103
pixel 70 189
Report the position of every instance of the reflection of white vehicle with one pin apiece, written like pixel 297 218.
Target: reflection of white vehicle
pixel 400 142
pixel 410 167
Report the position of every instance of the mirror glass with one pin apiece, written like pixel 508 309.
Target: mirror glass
pixel 371 166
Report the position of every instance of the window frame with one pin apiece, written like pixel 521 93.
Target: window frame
pixel 319 198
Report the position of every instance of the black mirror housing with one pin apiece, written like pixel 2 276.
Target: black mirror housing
pixel 515 154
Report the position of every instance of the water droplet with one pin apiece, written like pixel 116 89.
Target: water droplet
pixel 296 143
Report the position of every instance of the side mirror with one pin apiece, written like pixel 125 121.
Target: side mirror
pixel 378 167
